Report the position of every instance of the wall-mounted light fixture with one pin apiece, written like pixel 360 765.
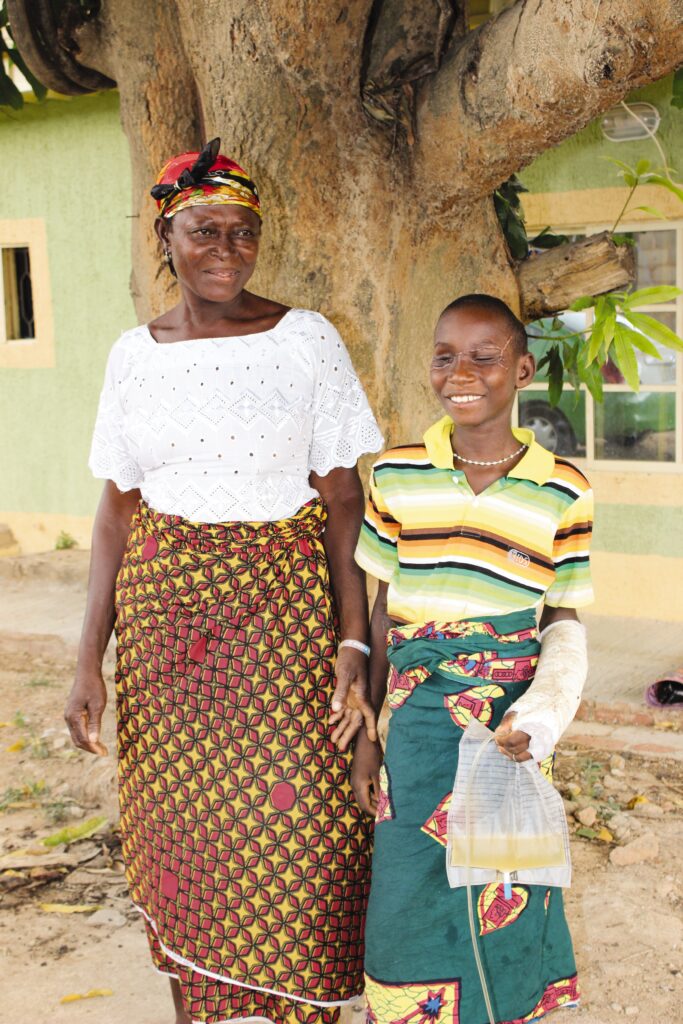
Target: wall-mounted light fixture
pixel 630 121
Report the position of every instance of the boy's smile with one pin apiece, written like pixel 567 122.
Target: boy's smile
pixel 476 367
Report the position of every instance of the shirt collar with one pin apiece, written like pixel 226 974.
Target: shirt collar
pixel 537 464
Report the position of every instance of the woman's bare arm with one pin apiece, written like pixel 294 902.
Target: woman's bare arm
pixel 367 756
pixel 342 493
pixel 88 697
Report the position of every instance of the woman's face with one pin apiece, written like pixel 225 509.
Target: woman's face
pixel 213 248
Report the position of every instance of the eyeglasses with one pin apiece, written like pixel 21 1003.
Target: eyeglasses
pixel 477 357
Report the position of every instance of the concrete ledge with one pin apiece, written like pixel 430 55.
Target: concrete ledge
pixel 670 718
pixel 630 739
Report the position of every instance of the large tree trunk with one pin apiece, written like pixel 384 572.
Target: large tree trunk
pixel 376 231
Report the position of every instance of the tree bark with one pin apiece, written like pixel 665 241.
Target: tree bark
pixel 551 281
pixel 530 78
pixel 376 234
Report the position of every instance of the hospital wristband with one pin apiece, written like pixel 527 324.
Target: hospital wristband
pixel 357 646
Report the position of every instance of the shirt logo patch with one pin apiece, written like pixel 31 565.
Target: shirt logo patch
pixel 518 557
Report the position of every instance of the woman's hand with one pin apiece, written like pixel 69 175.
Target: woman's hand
pixel 351 705
pixel 84 708
pixel 367 760
pixel 88 697
pixel 512 742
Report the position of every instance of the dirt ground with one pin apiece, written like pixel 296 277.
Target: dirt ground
pixel 626 918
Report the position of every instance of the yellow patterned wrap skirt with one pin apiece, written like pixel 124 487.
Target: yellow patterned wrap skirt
pixel 244 849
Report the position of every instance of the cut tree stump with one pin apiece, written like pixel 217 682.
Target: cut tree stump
pixel 551 281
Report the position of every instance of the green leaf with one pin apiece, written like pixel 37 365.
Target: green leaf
pixel 9 94
pixel 625 357
pixel 629 178
pixel 622 239
pixel 547 239
pixel 659 179
pixel 586 833
pixel 74 833
pixel 595 342
pixel 619 163
pixel 652 296
pixel 642 167
pixel 511 189
pixel 643 343
pixel 39 90
pixel 585 302
pixel 653 211
pixel 609 322
pixel 592 378
pixel 510 216
pixel 543 361
pixel 655 330
pixel 515 235
pixel 555 375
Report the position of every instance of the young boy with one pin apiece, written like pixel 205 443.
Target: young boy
pixel 468 533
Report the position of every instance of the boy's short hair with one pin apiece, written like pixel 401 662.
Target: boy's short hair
pixel 498 308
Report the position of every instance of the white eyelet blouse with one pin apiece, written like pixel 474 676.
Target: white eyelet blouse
pixel 228 429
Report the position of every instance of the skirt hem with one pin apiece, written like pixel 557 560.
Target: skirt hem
pixel 177 958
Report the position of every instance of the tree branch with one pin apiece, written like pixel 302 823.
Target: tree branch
pixel 48 48
pixel 550 282
pixel 530 78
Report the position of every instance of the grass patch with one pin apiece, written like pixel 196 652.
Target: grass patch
pixel 57 812
pixel 30 794
pixel 65 541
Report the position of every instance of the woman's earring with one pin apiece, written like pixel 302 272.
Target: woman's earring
pixel 169 261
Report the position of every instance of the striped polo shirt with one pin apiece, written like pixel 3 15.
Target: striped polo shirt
pixel 449 554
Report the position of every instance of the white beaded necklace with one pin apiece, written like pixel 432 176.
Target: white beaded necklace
pixel 489 462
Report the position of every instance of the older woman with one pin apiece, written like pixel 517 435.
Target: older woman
pixel 228 432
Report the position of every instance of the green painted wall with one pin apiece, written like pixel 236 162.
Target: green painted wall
pixel 579 162
pixel 69 163
pixel 639 529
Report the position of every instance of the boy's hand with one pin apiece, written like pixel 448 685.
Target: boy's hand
pixel 367 759
pixel 351 705
pixel 513 743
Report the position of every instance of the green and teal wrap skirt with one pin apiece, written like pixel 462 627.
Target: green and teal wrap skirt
pixel 419 963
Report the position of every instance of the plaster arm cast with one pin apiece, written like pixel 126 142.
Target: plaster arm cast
pixel 549 705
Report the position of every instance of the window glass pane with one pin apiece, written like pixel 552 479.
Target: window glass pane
pixel 560 428
pixel 16 273
pixel 22 263
pixel 638 427
pixel 651 370
pixel 659 371
pixel 655 258
pixel 539 330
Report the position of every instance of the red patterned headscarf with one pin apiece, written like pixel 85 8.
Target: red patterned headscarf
pixel 204 179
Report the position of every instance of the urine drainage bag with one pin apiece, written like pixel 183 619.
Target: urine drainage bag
pixel 506 822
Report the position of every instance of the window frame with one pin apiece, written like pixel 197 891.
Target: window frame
pixel 590 461
pixel 38 351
